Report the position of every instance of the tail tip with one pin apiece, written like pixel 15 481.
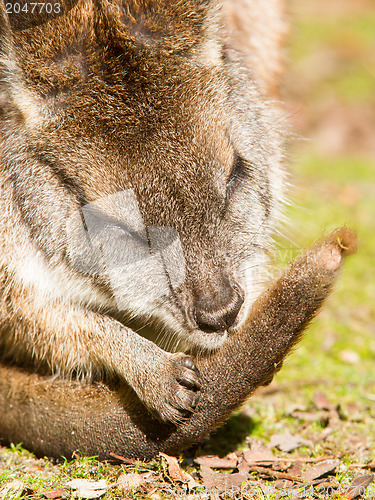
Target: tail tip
pixel 345 239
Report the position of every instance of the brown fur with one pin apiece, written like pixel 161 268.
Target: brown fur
pixel 58 416
pixel 141 180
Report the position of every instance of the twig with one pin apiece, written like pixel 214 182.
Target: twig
pixel 292 459
pixel 129 461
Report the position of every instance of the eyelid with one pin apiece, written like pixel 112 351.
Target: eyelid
pixel 238 169
pixel 238 172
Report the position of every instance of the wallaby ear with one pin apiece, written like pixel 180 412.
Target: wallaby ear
pixel 173 26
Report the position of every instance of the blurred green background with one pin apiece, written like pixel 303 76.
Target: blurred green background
pixel 330 97
pixel 329 102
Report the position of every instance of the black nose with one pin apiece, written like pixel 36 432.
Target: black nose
pixel 217 310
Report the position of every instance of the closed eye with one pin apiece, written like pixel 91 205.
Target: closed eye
pixel 238 173
pixel 99 223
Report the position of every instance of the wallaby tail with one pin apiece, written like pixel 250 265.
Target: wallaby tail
pixel 55 417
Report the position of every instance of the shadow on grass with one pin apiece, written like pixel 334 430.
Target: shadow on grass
pixel 228 437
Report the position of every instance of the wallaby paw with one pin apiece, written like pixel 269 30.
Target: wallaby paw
pixel 177 390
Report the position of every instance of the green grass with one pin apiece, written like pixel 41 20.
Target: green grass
pixel 332 57
pixel 341 191
pixel 336 191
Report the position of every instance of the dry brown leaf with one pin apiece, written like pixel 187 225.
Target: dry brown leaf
pixel 286 442
pixel 296 468
pixel 130 461
pixel 275 473
pixel 259 454
pixel 56 494
pixel 320 470
pixel 212 479
pixel 174 468
pixel 358 486
pixel 282 484
pixel 216 463
pixel 37 468
pixel 177 473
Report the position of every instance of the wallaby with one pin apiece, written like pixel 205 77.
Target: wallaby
pixel 141 181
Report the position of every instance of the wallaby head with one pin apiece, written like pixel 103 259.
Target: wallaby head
pixel 166 158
